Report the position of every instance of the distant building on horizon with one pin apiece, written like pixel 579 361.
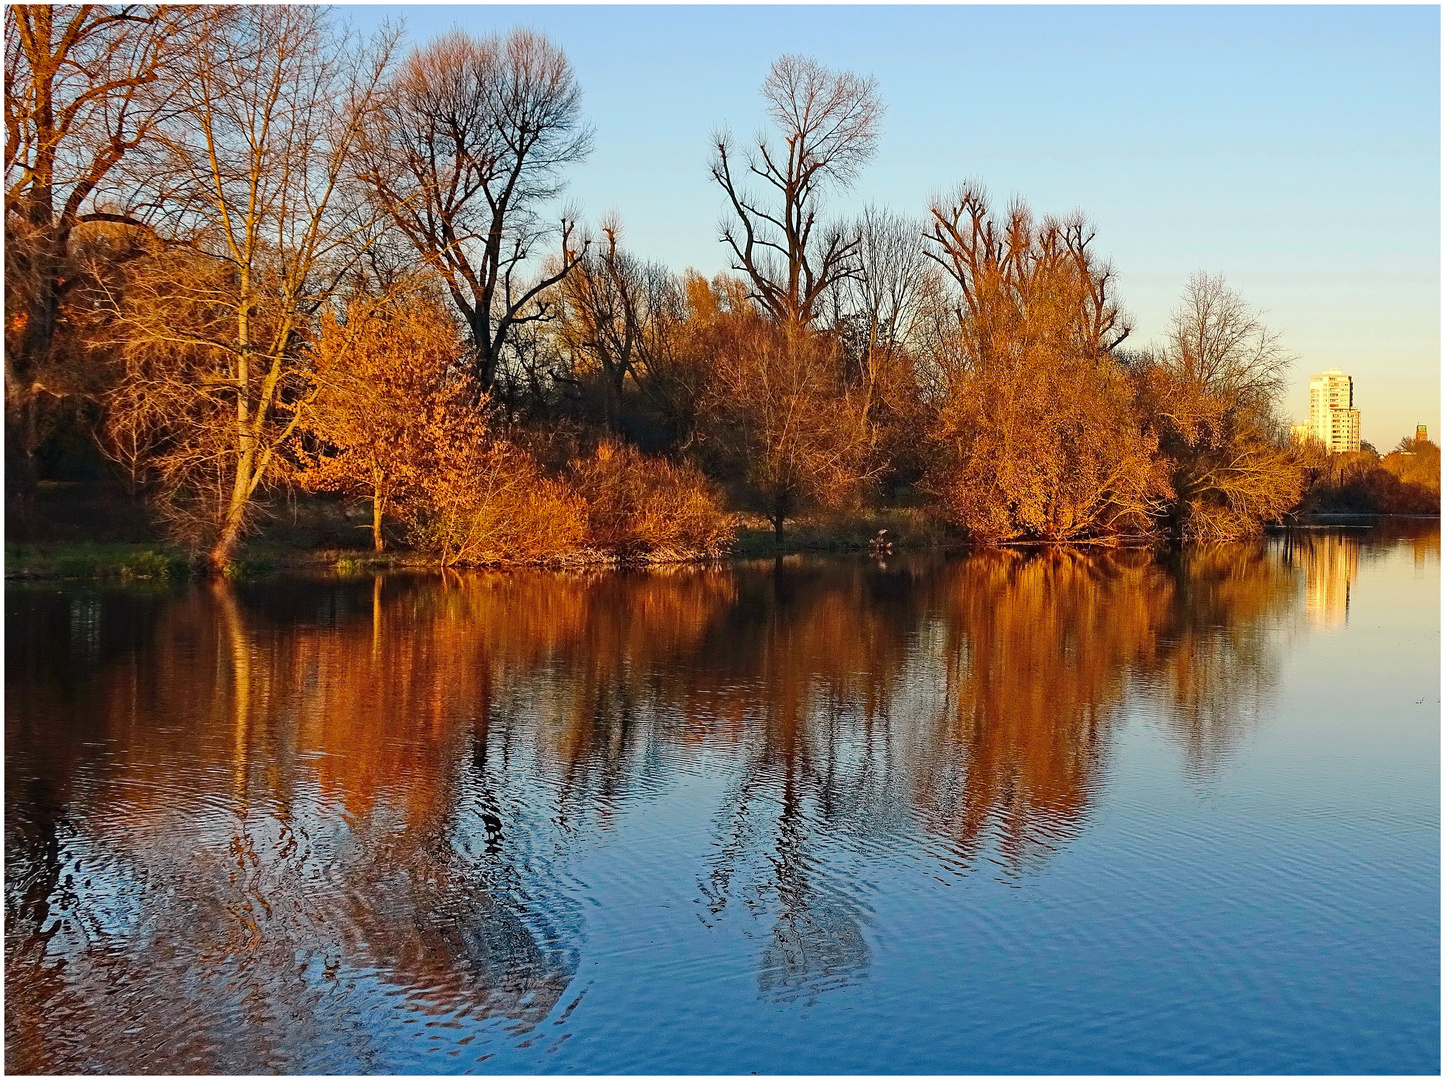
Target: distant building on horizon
pixel 1334 420
pixel 1420 433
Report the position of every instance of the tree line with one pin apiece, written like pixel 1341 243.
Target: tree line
pixel 247 251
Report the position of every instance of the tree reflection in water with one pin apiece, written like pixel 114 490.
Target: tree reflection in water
pixel 280 815
pixel 1042 649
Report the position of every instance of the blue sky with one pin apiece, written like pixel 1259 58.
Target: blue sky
pixel 1296 150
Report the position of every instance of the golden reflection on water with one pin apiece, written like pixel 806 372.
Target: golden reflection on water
pixel 281 784
pixel 1331 562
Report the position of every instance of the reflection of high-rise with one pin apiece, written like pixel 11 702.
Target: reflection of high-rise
pixel 1331 564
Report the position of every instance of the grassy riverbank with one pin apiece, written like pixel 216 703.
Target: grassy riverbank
pixel 93 532
pixel 100 561
pixel 905 530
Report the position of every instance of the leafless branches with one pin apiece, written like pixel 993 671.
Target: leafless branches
pixel 1024 283
pixel 829 124
pixel 256 167
pixel 467 148
pixel 618 313
pixel 1217 340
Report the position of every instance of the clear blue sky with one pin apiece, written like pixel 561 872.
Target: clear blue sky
pixel 1296 150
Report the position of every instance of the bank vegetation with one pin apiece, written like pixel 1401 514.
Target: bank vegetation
pixel 250 257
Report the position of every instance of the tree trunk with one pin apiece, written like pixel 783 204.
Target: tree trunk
pixel 377 539
pixel 28 478
pixel 484 352
pixel 614 408
pixel 24 369
pixel 226 544
pixel 224 550
pixel 780 512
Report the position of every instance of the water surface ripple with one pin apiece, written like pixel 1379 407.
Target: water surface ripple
pixel 1017 812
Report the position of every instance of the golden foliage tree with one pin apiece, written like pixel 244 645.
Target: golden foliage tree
pixel 398 416
pixel 1209 399
pixel 778 408
pixel 1034 433
pixel 1416 464
pixel 389 376
pixel 270 108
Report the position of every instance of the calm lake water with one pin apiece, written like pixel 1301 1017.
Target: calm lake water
pixel 1007 813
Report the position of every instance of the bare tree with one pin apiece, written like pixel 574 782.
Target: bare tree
pixel 829 124
pixel 883 296
pixel 468 147
pixel 1218 340
pixel 1210 395
pixel 617 315
pixel 84 87
pixel 256 166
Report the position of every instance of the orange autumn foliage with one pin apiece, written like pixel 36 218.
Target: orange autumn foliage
pixel 779 412
pixel 1035 436
pixel 387 388
pixel 399 420
pixel 648 507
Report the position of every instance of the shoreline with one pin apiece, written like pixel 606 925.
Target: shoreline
pixel 120 562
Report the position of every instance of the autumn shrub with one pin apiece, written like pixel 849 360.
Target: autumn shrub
pixel 398 418
pixel 1046 452
pixel 1034 436
pixel 486 501
pixel 1405 481
pixel 639 506
pixel 1414 472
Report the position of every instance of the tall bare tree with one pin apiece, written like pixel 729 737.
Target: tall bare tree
pixel 828 122
pixel 467 149
pixel 84 87
pixel 1217 339
pixel 255 168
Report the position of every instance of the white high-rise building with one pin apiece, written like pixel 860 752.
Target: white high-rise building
pixel 1334 420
